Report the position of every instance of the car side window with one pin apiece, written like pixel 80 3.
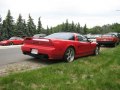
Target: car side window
pixel 85 39
pixel 72 38
pixel 82 38
pixel 114 35
pixel 119 35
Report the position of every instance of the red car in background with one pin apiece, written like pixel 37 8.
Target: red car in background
pixel 61 45
pixel 12 41
pixel 108 39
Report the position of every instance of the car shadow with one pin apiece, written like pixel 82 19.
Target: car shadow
pixel 107 46
pixel 44 61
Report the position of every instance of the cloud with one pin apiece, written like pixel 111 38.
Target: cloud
pixel 53 12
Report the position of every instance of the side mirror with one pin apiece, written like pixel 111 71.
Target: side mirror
pixel 89 40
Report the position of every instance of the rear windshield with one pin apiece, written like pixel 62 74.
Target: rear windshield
pixel 65 36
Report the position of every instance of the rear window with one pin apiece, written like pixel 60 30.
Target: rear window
pixel 65 36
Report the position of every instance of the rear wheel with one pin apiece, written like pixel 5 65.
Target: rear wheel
pixel 69 54
pixel 115 44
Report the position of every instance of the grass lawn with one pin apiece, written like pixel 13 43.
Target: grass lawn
pixel 100 72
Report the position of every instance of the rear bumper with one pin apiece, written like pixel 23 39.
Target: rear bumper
pixel 47 52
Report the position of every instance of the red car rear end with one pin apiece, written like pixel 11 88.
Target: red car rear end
pixel 108 39
pixel 59 46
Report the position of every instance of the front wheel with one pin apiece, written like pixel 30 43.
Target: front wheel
pixel 69 54
pixel 96 51
pixel 11 43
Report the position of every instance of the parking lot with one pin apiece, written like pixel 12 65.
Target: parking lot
pixel 12 60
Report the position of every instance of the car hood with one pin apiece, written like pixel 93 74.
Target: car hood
pixel 4 41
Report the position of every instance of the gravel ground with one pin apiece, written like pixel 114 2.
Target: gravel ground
pixel 11 46
pixel 19 67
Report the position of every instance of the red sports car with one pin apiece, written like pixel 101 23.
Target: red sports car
pixel 61 45
pixel 108 39
pixel 12 41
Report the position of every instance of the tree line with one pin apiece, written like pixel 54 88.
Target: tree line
pixel 9 28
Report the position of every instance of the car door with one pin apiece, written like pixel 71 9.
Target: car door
pixel 17 40
pixel 83 46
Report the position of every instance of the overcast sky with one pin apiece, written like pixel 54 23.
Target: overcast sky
pixel 54 12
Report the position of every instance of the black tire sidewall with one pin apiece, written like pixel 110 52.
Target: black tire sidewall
pixel 11 43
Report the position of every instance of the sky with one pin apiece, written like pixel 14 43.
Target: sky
pixel 54 12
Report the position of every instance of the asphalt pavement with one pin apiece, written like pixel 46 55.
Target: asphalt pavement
pixel 11 54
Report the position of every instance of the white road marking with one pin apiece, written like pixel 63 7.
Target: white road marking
pixel 11 46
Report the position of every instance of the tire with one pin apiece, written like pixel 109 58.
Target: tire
pixel 118 43
pixel 69 54
pixel 115 44
pixel 11 43
pixel 96 51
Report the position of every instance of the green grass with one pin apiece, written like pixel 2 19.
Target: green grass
pixel 87 73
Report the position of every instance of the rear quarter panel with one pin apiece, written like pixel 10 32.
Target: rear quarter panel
pixel 62 45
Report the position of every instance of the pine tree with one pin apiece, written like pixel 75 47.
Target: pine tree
pixel 85 29
pixel 66 26
pixel 26 32
pixel 0 29
pixel 19 30
pixel 8 26
pixel 78 29
pixel 63 27
pixel 31 26
pixel 47 31
pixel 0 18
pixel 72 27
pixel 39 28
pixel 51 30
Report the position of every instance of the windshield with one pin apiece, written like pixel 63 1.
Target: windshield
pixel 65 36
pixel 12 38
pixel 15 38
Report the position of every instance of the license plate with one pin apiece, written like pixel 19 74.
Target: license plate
pixel 34 51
